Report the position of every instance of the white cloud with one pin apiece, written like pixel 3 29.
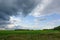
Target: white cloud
pixel 40 7
pixel 10 26
pixel 2 28
pixel 38 20
pixel 14 21
pixel 52 24
pixel 46 7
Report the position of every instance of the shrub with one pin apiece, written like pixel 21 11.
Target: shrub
pixel 57 28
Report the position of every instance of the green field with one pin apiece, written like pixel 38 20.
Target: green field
pixel 30 35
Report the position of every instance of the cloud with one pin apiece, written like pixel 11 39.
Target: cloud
pixel 51 24
pixel 40 7
pixel 38 20
pixel 2 29
pixel 46 7
pixel 10 8
pixel 54 7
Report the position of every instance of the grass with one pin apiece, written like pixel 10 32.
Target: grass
pixel 30 35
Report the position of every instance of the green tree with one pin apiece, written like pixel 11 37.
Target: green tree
pixel 57 28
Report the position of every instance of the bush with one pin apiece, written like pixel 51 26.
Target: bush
pixel 57 28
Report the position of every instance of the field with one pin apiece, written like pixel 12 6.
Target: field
pixel 30 35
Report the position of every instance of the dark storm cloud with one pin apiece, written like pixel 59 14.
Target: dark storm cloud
pixel 3 24
pixel 11 7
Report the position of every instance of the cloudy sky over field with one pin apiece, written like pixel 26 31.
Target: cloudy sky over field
pixel 29 14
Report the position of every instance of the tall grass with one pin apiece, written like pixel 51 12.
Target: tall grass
pixel 30 35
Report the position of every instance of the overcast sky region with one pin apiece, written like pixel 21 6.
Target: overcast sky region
pixel 29 14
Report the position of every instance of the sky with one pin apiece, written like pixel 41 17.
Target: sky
pixel 29 14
